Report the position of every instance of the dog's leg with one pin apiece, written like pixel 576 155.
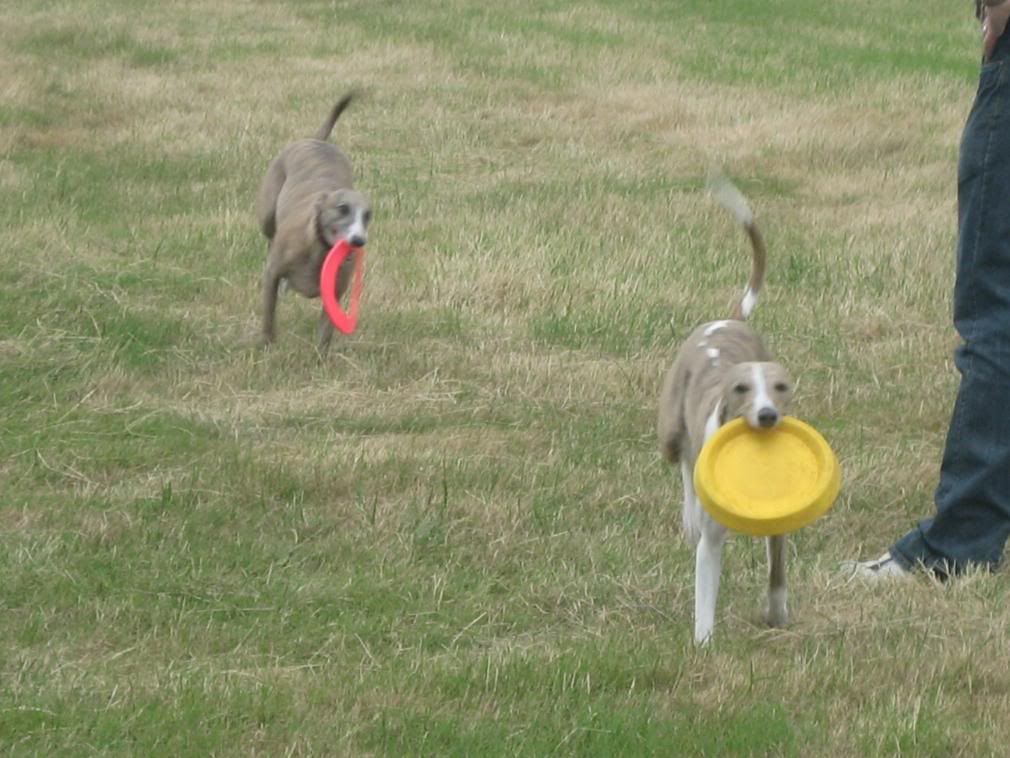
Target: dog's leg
pixel 707 570
pixel 324 333
pixel 691 515
pixel 777 614
pixel 271 283
pixel 266 200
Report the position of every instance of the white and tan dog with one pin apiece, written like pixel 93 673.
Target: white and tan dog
pixel 306 203
pixel 722 372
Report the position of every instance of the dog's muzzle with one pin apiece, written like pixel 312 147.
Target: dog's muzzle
pixel 767 418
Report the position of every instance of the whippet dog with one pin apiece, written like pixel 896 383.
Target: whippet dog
pixel 307 202
pixel 722 372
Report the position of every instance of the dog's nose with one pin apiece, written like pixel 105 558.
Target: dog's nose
pixel 767 418
pixel 357 241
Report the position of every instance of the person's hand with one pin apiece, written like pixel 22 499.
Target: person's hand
pixel 994 22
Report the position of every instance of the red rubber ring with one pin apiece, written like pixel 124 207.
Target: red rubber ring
pixel 345 321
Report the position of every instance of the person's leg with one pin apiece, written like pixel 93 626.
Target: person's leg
pixel 972 520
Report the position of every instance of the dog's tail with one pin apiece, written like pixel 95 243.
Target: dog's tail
pixel 327 125
pixel 733 200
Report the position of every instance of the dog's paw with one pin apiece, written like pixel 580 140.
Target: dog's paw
pixel 777 614
pixel 703 634
pixel 776 619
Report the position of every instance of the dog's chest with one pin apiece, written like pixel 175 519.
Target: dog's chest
pixel 305 279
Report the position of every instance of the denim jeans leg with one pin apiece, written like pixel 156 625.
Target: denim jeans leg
pixel 972 520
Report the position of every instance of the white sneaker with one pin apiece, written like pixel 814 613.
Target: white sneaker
pixel 884 568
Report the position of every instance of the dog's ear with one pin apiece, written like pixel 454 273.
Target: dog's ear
pixel 313 228
pixel 723 413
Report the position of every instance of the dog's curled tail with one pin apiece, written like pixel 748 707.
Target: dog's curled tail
pixel 327 125
pixel 733 200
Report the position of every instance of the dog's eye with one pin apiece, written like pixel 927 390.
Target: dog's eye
pixel 367 217
pixel 781 387
pixel 343 209
pixel 741 389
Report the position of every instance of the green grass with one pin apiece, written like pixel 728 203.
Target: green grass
pixel 453 535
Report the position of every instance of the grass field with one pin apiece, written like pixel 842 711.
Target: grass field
pixel 454 535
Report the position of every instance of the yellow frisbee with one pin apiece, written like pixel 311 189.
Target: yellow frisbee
pixel 766 482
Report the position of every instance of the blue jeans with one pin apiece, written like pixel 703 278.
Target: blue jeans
pixel 972 519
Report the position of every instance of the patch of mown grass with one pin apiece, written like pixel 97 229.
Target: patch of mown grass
pixel 607 325
pixel 830 45
pixel 113 191
pixel 577 703
pixel 71 309
pixel 181 713
pixel 91 43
